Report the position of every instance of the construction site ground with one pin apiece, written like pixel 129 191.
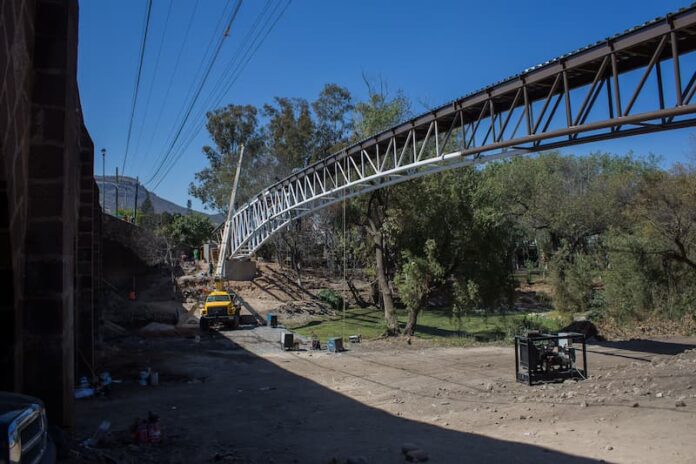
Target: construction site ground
pixel 236 397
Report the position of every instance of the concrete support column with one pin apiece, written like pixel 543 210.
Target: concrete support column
pixel 51 236
pixel 84 323
pixel 16 51
pixel 9 350
pixel 97 262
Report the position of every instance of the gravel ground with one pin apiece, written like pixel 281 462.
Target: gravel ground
pixel 235 397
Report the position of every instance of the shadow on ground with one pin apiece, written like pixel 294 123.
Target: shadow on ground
pixel 218 400
pixel 640 346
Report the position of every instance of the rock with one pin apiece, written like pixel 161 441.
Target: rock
pixel 417 455
pixel 609 448
pixel 583 404
pixel 659 395
pixel 635 405
pixel 680 404
pixel 587 328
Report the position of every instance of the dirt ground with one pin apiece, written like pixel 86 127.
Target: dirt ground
pixel 236 397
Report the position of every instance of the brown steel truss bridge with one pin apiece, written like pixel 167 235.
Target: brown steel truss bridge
pixel 640 81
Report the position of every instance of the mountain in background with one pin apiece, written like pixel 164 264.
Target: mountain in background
pixel 126 197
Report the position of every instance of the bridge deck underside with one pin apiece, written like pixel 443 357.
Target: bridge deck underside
pixel 640 81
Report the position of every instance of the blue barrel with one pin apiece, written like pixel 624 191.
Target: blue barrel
pixel 272 320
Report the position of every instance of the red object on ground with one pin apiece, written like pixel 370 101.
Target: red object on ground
pixel 141 432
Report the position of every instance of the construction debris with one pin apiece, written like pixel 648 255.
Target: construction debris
pixel 154 329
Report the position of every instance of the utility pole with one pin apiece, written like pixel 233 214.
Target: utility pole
pixel 116 210
pixel 233 194
pixel 222 255
pixel 103 187
pixel 135 204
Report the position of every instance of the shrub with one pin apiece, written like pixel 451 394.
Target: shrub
pixel 331 298
pixel 572 279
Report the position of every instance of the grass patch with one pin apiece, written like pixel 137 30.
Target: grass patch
pixel 433 324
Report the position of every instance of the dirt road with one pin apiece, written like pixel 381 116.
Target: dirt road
pixel 235 397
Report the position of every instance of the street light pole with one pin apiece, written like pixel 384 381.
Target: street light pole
pixel 103 189
pixel 116 205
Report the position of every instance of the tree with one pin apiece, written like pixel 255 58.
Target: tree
pixel 566 205
pixel 666 212
pixel 333 109
pixel 419 276
pixel 379 112
pixel 229 128
pixel 187 231
pixel 468 244
pixel 652 262
pixel 290 131
pixel 147 218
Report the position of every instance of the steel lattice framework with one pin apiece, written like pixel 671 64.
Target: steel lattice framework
pixel 626 85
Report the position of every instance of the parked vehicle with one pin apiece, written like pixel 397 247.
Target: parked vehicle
pixel 220 307
pixel 24 431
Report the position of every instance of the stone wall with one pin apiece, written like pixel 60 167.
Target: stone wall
pixel 146 246
pixel 48 213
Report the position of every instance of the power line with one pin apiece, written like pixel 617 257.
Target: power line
pixel 195 132
pixel 209 103
pixel 171 79
pixel 137 83
pixel 154 76
pixel 248 55
pixel 199 89
pixel 218 33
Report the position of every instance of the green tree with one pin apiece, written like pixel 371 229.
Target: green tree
pixel 229 128
pixel 333 111
pixel 652 262
pixel 566 204
pixel 465 299
pixel 290 131
pixel 379 112
pixel 147 218
pixel 187 231
pixel 419 275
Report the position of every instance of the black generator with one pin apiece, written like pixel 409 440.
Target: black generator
pixel 549 358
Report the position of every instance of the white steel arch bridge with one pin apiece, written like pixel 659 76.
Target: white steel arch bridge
pixel 640 81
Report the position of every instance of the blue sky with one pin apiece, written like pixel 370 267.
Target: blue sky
pixel 432 51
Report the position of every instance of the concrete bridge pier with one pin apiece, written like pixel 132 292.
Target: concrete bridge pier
pixel 240 269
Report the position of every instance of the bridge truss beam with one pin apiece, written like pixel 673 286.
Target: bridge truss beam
pixel 627 85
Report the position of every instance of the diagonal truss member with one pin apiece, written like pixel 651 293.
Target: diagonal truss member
pixel 629 84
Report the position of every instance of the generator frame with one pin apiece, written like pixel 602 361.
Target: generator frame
pixel 525 349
